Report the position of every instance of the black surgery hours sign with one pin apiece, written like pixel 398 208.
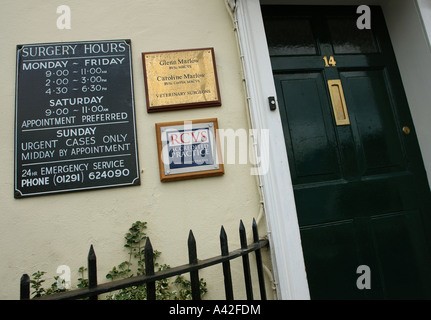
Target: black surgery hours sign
pixel 74 117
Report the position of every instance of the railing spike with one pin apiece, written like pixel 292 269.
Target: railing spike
pixel 242 235
pixel 245 262
pixel 223 242
pixel 194 275
pixel 148 246
pixel 191 236
pixel 255 232
pixel 259 262
pixel 149 269
pixel 91 253
pixel 192 248
pixel 226 265
pixel 92 271
pixel 24 287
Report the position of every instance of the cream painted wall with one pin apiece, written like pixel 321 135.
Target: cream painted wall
pixel 41 233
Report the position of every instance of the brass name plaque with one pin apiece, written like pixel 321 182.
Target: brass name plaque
pixel 180 79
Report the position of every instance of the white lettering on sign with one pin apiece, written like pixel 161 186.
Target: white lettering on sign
pixel 104 48
pixel 103 61
pixel 48 51
pixel 76 132
pixel 108 164
pixel 64 102
pixel 31 182
pixel 60 169
pixel 43 65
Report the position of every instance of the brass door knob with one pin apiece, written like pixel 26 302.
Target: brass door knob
pixel 406 130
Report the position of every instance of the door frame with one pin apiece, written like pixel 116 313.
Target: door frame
pixel 283 229
pixel 280 210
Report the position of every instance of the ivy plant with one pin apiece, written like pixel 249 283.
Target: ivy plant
pixel 37 281
pixel 179 289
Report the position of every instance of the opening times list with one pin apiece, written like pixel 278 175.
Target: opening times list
pixel 75 120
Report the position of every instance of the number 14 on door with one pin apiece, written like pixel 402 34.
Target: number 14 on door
pixel 330 62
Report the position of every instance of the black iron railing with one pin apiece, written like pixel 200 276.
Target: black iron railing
pixel 94 289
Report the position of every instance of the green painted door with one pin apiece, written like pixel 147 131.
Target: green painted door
pixel 360 185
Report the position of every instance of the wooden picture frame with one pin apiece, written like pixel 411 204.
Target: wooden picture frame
pixel 189 149
pixel 180 79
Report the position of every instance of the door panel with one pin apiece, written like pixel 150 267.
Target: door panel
pixel 325 203
pixel 348 40
pixel 371 109
pixel 327 277
pixel 293 37
pixel 306 111
pixel 376 242
pixel 361 190
pixel 397 239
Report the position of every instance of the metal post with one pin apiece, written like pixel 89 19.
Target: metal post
pixel 259 262
pixel 149 269
pixel 194 275
pixel 245 262
pixel 226 265
pixel 92 271
pixel 24 293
